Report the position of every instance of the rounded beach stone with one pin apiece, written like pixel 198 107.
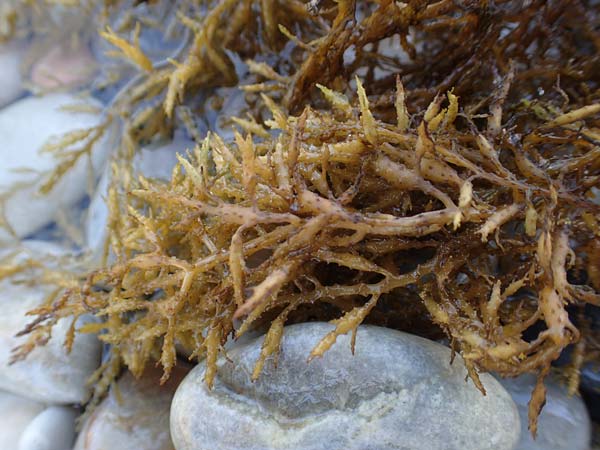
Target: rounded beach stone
pixel 52 429
pixel 134 419
pixel 25 127
pixel 48 374
pixel 398 391
pixel 564 423
pixel 11 86
pixel 16 413
pixel 63 67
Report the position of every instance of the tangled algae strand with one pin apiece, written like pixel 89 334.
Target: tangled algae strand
pixel 244 231
pixel 444 189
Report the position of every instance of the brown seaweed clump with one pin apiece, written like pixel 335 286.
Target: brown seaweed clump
pixel 453 190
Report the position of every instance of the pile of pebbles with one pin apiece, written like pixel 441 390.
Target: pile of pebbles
pixel 402 395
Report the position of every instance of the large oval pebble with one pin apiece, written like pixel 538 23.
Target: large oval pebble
pixel 398 391
pixel 52 429
pixel 48 374
pixel 11 84
pixel 135 416
pixel 63 66
pixel 25 127
pixel 563 424
pixel 16 413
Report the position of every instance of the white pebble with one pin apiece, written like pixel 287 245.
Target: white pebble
pixel 49 374
pixel 53 429
pixel 10 76
pixel 134 417
pixel 16 413
pixel 563 424
pixel 25 127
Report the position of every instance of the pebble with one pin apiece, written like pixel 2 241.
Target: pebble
pixel 590 389
pixel 156 161
pixel 156 44
pixel 595 195
pixel 11 86
pixel 63 67
pixel 590 376
pixel 564 423
pixel 134 419
pixel 25 126
pixel 52 429
pixel 48 374
pixel 397 392
pixel 16 413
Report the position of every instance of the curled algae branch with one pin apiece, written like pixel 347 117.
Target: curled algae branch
pixel 421 184
pixel 130 51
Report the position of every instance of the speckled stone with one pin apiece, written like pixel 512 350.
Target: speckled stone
pixel 397 392
pixel 564 423
pixel 138 421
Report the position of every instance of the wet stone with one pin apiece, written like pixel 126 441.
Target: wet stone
pixel 135 418
pixel 397 392
pixel 11 84
pixel 564 423
pixel 48 374
pixel 25 127
pixel 63 66
pixel 590 377
pixel 52 429
pixel 16 413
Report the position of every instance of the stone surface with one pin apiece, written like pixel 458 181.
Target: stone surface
pixel 48 374
pixel 63 67
pixel 10 76
pixel 16 413
pixel 590 390
pixel 590 377
pixel 140 420
pixel 563 424
pixel 52 429
pixel 596 195
pixel 155 161
pixel 157 44
pixel 397 392
pixel 25 127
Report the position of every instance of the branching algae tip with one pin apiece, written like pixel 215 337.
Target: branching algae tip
pixel 428 166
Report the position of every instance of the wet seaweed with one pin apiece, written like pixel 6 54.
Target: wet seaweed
pixel 380 169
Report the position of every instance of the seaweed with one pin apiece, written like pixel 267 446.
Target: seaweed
pixel 444 188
